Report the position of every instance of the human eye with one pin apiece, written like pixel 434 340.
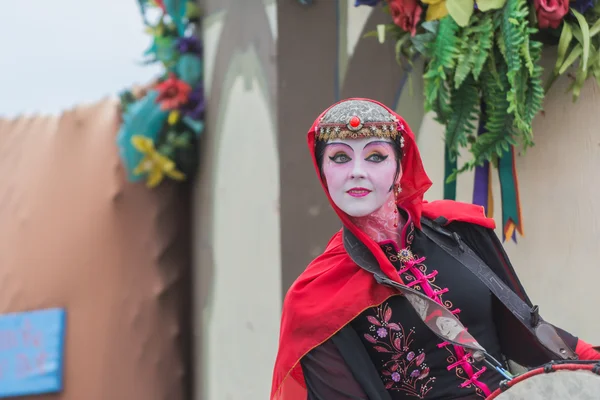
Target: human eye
pixel 376 157
pixel 340 158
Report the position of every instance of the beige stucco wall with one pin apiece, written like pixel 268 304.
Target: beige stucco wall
pixel 237 252
pixel 557 260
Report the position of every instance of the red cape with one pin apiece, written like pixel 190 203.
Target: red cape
pixel 333 290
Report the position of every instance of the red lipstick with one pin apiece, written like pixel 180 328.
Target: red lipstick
pixel 358 192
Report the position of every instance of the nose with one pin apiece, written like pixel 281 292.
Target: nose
pixel 358 171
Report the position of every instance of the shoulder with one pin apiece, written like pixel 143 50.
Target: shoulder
pixel 318 270
pixel 454 211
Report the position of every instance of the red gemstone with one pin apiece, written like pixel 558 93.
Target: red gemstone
pixel 354 121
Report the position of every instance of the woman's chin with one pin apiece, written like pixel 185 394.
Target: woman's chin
pixel 358 212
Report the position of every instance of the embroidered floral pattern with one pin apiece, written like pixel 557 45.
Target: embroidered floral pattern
pixel 404 370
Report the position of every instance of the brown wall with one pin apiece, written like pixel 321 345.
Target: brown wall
pixel 75 234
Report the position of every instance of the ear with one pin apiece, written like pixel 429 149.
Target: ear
pixel 324 180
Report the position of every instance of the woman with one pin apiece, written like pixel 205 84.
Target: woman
pixel 391 309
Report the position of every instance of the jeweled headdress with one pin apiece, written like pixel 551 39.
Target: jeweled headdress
pixel 355 119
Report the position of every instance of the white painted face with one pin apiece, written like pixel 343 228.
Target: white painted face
pixel 360 174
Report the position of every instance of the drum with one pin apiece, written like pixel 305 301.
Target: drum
pixel 555 381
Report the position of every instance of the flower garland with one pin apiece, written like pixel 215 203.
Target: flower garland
pixel 161 124
pixel 483 78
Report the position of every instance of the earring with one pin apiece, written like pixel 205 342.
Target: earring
pixel 397 190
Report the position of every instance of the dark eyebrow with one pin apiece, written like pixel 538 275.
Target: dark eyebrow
pixel 340 143
pixel 376 142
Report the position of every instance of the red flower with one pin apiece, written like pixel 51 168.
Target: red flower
pixel 550 12
pixel 161 4
pixel 172 93
pixel 406 14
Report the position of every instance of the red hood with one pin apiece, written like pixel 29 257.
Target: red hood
pixel 333 290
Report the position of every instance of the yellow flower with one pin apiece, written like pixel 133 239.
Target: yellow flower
pixel 436 10
pixel 154 164
pixel 157 30
pixel 173 117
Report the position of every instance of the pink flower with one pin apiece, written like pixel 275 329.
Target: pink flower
pixel 406 14
pixel 382 332
pixel 172 93
pixel 550 13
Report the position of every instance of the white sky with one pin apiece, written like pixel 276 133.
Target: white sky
pixel 58 53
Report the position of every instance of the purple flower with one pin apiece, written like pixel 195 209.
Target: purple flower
pixel 382 332
pixel 189 44
pixel 410 356
pixel 415 373
pixel 396 377
pixel 194 108
pixel 371 3
pixel 583 5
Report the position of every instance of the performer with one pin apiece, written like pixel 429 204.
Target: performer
pixel 346 334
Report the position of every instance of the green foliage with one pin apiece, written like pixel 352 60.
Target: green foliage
pixel 475 42
pixel 491 57
pixel 444 52
pixel 461 124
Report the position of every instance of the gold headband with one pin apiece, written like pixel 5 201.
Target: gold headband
pixel 354 119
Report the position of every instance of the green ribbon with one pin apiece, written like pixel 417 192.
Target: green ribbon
pixel 449 167
pixel 509 190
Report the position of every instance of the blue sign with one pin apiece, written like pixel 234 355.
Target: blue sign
pixel 31 352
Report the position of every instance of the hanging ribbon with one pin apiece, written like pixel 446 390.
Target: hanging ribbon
pixel 449 167
pixel 482 189
pixel 512 220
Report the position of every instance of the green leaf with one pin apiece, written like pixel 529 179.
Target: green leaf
pixel 460 11
pixel 192 10
pixel 563 45
pixel 389 29
pixel 575 53
pixel 534 97
pixel 475 42
pixel 585 31
pixel 399 43
pixel 595 29
pixel 431 26
pixel 486 5
pixel 421 41
pixel 370 34
pixel 461 124
pixel 596 72
pixel 578 83
pixel 443 59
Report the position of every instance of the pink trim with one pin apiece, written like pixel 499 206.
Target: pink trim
pixel 403 270
pixel 404 228
pixel 459 362
pixel 434 294
pixel 476 375
pixel 415 282
pixel 390 242
pixel 432 275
